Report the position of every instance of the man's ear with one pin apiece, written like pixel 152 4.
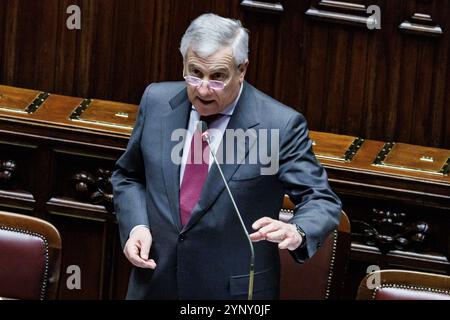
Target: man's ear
pixel 243 69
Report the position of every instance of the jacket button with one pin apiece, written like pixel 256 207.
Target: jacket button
pixel 181 237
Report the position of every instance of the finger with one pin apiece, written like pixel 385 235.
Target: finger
pixel 145 248
pixel 257 236
pixel 276 236
pixel 151 263
pixel 261 222
pixel 269 228
pixel 284 244
pixel 146 264
pixel 131 251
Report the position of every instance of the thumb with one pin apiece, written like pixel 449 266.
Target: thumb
pixel 145 247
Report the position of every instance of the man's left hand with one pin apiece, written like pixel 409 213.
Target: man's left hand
pixel 285 234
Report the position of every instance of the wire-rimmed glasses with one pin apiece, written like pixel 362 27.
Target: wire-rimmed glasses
pixel 211 84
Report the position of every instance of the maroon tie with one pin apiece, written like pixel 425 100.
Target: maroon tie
pixel 195 172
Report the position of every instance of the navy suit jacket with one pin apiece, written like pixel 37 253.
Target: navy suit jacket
pixel 209 257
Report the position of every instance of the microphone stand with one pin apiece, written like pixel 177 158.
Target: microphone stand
pixel 206 138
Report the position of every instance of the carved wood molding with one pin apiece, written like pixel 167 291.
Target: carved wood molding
pixel 389 231
pixel 8 169
pixel 94 188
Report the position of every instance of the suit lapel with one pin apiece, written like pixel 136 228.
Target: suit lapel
pixel 176 119
pixel 244 117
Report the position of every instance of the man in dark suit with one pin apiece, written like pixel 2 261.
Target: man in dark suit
pixel 177 223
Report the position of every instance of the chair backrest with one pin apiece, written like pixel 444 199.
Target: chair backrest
pixel 403 285
pixel 30 257
pixel 321 276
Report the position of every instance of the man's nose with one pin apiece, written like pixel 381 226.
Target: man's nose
pixel 203 89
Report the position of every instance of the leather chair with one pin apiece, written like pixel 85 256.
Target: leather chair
pixel 321 276
pixel 403 285
pixel 30 258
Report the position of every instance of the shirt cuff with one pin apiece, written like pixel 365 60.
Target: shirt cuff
pixel 138 226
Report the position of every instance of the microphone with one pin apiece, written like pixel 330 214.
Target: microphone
pixel 205 136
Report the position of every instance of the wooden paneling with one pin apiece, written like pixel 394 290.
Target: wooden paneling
pixel 65 60
pixel 265 35
pixel 287 77
pixel 378 84
pixel 2 34
pixel 80 235
pixel 22 158
pixel 389 67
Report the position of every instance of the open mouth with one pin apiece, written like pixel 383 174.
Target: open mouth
pixel 205 101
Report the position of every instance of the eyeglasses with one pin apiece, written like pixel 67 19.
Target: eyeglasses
pixel 212 84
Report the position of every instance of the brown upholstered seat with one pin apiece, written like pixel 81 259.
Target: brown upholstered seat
pixel 30 257
pixel 404 285
pixel 321 276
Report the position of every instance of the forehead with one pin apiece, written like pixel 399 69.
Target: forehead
pixel 222 58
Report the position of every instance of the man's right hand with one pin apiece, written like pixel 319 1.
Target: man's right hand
pixel 137 248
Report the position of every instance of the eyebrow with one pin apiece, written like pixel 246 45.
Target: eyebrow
pixel 219 69
pixel 193 65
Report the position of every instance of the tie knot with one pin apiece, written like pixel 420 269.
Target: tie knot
pixel 211 118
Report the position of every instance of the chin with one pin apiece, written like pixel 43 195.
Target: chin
pixel 206 109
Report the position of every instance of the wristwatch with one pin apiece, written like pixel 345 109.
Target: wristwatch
pixel 302 234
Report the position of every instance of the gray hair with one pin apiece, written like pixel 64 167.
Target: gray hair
pixel 210 32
